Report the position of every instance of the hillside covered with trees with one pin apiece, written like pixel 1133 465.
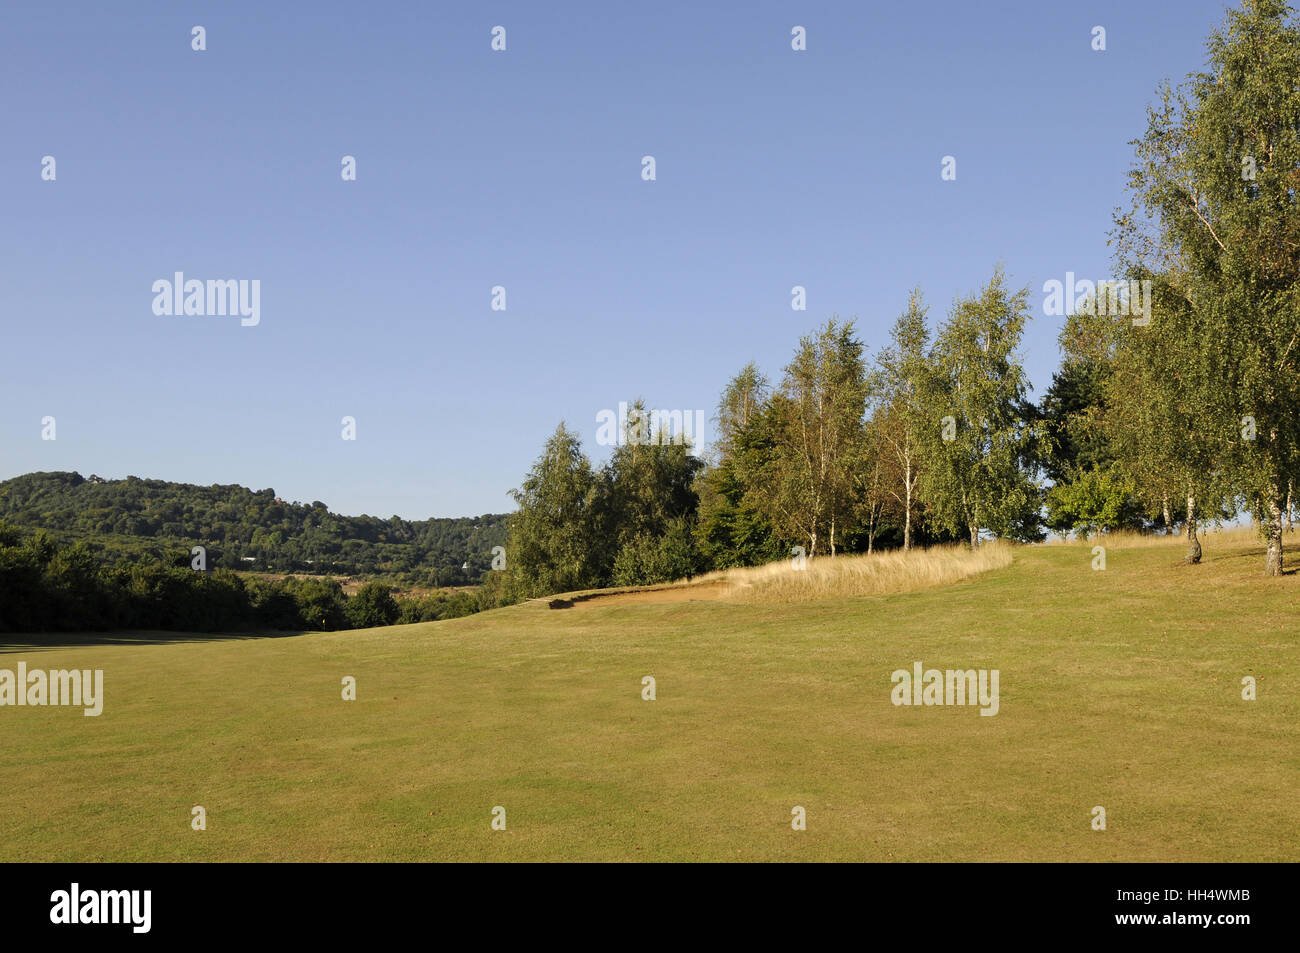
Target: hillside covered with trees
pixel 245 529
pixel 46 587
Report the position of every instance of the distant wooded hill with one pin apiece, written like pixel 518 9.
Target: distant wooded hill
pixel 247 529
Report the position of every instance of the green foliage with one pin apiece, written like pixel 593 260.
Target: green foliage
pixel 1150 410
pixel 898 421
pixel 1092 489
pixel 494 592
pixel 372 606
pixel 47 588
pixel 807 483
pixel 1095 499
pixel 649 506
pixel 1072 439
pixel 733 529
pixel 579 529
pixel 439 605
pixel 558 538
pixel 1215 217
pixel 647 559
pixel 243 529
pixel 979 448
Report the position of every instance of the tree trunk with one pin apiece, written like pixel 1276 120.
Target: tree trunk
pixel 1273 533
pixel 832 537
pixel 1193 544
pixel 1169 523
pixel 1289 526
pixel 974 537
pixel 907 516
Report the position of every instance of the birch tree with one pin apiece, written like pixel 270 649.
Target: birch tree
pixel 1214 191
pixel 819 436
pixel 900 414
pixel 977 442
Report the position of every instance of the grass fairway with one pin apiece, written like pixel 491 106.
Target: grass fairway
pixel 1119 688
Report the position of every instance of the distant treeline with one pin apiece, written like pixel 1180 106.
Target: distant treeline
pixel 45 587
pixel 244 529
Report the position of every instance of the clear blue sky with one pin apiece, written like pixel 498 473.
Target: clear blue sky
pixel 522 169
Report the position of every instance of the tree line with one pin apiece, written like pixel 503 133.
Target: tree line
pixel 931 441
pixel 1187 415
pixel 245 529
pixel 45 587
pixel 1196 414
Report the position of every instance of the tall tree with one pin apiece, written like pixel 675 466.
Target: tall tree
pixel 900 414
pixel 1159 414
pixel 556 540
pixel 734 529
pixel 1071 440
pixel 978 443
pixel 1089 491
pixel 650 504
pixel 1214 195
pixel 819 438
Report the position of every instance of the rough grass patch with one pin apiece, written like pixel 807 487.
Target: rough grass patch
pixel 861 574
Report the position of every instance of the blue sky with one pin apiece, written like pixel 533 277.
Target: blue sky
pixel 522 169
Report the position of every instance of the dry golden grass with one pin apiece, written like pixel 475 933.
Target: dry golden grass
pixel 860 574
pixel 889 572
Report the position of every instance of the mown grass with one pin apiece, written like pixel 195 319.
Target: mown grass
pixel 1118 688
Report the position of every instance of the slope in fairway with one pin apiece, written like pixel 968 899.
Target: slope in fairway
pixel 1120 688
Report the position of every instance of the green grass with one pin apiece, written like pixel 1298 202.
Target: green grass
pixel 1118 688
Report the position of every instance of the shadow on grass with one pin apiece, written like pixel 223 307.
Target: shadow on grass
pixel 1290 559
pixel 574 600
pixel 27 642
pixel 571 601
